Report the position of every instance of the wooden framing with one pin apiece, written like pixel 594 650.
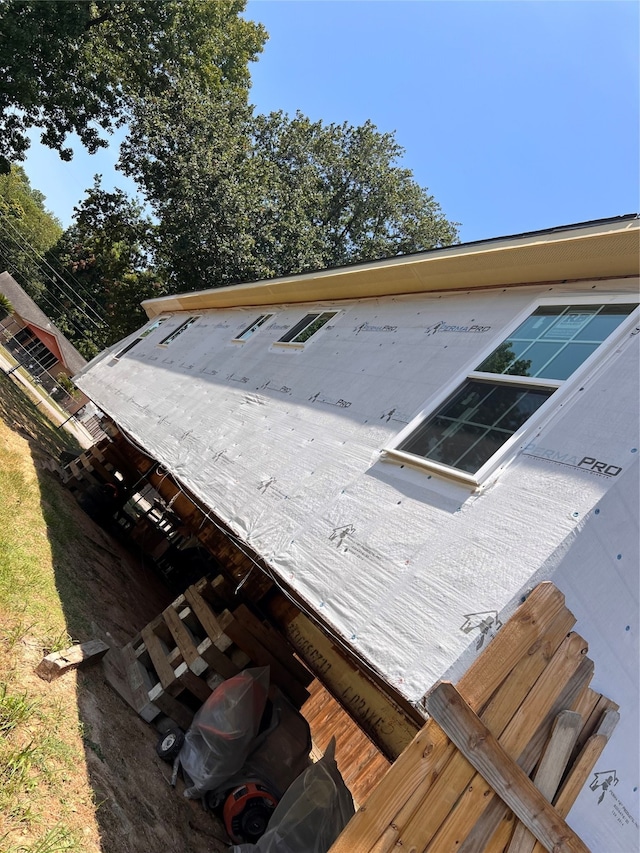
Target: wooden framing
pixel 525 703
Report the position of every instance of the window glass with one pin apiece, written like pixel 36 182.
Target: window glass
pixel 177 332
pixel 253 327
pixel 137 340
pixel 567 360
pixel 153 327
pixel 474 423
pixel 483 413
pixel 543 346
pixel 308 326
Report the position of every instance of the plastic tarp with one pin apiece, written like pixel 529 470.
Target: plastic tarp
pixel 221 735
pixel 311 814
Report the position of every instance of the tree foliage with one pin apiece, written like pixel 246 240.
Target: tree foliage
pixel 73 67
pixel 27 230
pixel 236 196
pixel 107 259
pixel 242 197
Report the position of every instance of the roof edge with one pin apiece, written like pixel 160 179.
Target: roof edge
pixel 609 248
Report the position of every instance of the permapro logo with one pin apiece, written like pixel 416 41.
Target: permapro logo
pixel 590 464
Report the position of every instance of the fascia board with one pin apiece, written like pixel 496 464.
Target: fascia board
pixel 572 254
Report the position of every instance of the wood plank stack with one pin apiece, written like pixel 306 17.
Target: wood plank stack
pixel 361 764
pixel 523 709
pixel 175 662
pixel 90 467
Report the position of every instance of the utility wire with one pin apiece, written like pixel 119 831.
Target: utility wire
pixel 23 237
pixel 23 244
pixel 48 277
pixel 49 297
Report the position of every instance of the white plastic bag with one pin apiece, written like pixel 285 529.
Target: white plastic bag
pixel 221 735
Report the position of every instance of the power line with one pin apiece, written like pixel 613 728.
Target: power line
pixel 26 245
pixel 44 260
pixel 47 276
pixel 49 297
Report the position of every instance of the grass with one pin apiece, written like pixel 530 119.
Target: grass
pixel 41 739
pixel 53 841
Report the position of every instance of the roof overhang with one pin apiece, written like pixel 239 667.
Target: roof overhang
pixel 603 249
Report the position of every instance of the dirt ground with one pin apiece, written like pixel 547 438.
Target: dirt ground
pixel 130 807
pixel 138 811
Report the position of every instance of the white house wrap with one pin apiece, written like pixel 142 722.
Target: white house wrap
pixel 416 562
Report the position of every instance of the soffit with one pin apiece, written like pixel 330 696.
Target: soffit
pixel 576 253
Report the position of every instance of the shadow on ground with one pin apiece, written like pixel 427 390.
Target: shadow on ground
pixel 105 591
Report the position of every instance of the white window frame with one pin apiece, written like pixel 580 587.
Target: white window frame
pixel 250 330
pixel 186 324
pixel 293 344
pixel 564 388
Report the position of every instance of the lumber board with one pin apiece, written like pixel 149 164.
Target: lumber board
pixel 204 613
pixel 217 660
pixel 582 768
pixel 421 826
pixel 124 674
pixel 585 703
pixel 593 721
pixel 495 811
pixel 513 786
pixel 158 657
pixel 182 637
pixel 528 624
pixel 193 683
pixel 520 725
pixel 274 643
pixel 57 663
pixel 173 708
pixel 549 771
pixel 378 715
pixel 262 657
pixel 530 642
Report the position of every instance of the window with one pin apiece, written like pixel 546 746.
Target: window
pixel 177 332
pixel 489 409
pixel 261 320
pixel 137 340
pixel 308 326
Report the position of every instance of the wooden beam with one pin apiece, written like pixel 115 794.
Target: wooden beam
pixel 273 642
pixel 183 640
pixel 57 663
pixel 159 660
pixel 460 796
pixel 387 724
pixel 511 784
pixel 549 772
pixel 519 647
pixel 495 811
pixel 527 625
pixel 263 657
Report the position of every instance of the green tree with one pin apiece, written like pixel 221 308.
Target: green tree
pixel 240 197
pixel 6 307
pixel 27 230
pixel 107 258
pixel 73 67
pixel 503 360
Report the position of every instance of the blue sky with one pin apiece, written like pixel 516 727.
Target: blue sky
pixel 515 115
